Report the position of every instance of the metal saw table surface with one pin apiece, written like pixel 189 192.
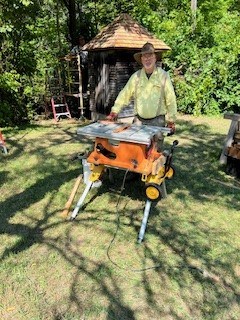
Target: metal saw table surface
pixel 133 133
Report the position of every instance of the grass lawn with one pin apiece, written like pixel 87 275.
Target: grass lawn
pixel 92 268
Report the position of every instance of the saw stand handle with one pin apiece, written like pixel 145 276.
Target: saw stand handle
pixel 168 155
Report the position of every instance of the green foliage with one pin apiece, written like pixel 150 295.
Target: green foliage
pixel 10 85
pixel 29 43
pixel 204 60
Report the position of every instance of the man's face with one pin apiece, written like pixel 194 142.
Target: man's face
pixel 148 61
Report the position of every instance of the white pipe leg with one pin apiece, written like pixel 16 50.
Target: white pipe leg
pixel 80 201
pixel 144 221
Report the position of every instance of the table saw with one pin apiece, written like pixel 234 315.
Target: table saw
pixel 131 148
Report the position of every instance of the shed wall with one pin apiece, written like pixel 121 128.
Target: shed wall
pixel 109 71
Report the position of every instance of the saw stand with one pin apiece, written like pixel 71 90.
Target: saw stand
pixel 132 148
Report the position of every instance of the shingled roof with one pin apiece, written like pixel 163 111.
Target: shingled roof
pixel 123 33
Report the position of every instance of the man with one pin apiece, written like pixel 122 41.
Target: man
pixel 78 48
pixel 153 92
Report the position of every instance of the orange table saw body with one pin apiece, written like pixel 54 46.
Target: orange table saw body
pixel 130 147
pixel 124 155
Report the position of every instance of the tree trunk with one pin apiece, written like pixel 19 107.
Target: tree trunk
pixel 72 24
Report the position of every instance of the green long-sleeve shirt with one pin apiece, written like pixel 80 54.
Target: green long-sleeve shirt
pixel 152 97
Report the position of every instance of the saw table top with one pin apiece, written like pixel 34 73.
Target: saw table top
pixel 121 132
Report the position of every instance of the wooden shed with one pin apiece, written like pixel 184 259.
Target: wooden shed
pixel 111 62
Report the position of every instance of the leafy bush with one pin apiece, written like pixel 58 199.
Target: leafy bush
pixel 204 61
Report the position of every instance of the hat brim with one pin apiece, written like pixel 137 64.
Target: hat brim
pixel 137 56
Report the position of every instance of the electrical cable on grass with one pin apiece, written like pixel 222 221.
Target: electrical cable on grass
pixel 116 231
pixel 205 273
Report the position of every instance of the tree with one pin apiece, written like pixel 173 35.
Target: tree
pixel 204 60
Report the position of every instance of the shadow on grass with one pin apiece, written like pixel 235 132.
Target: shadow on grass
pixel 98 273
pixel 197 169
pixel 34 232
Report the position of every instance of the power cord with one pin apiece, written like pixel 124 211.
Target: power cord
pixel 116 231
pixel 202 271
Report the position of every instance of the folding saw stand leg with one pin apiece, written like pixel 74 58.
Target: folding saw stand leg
pixel 147 211
pixel 144 221
pixel 81 200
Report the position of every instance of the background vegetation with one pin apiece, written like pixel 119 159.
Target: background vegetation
pixel 188 267
pixel 204 62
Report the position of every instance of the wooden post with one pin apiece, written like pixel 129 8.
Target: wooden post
pixel 81 107
pixel 72 195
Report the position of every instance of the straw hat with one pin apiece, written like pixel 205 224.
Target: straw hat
pixel 147 48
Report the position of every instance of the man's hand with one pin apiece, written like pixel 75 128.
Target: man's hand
pixel 112 116
pixel 171 125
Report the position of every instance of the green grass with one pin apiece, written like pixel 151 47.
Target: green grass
pixel 188 267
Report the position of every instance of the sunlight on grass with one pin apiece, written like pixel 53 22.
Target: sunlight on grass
pixel 187 267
